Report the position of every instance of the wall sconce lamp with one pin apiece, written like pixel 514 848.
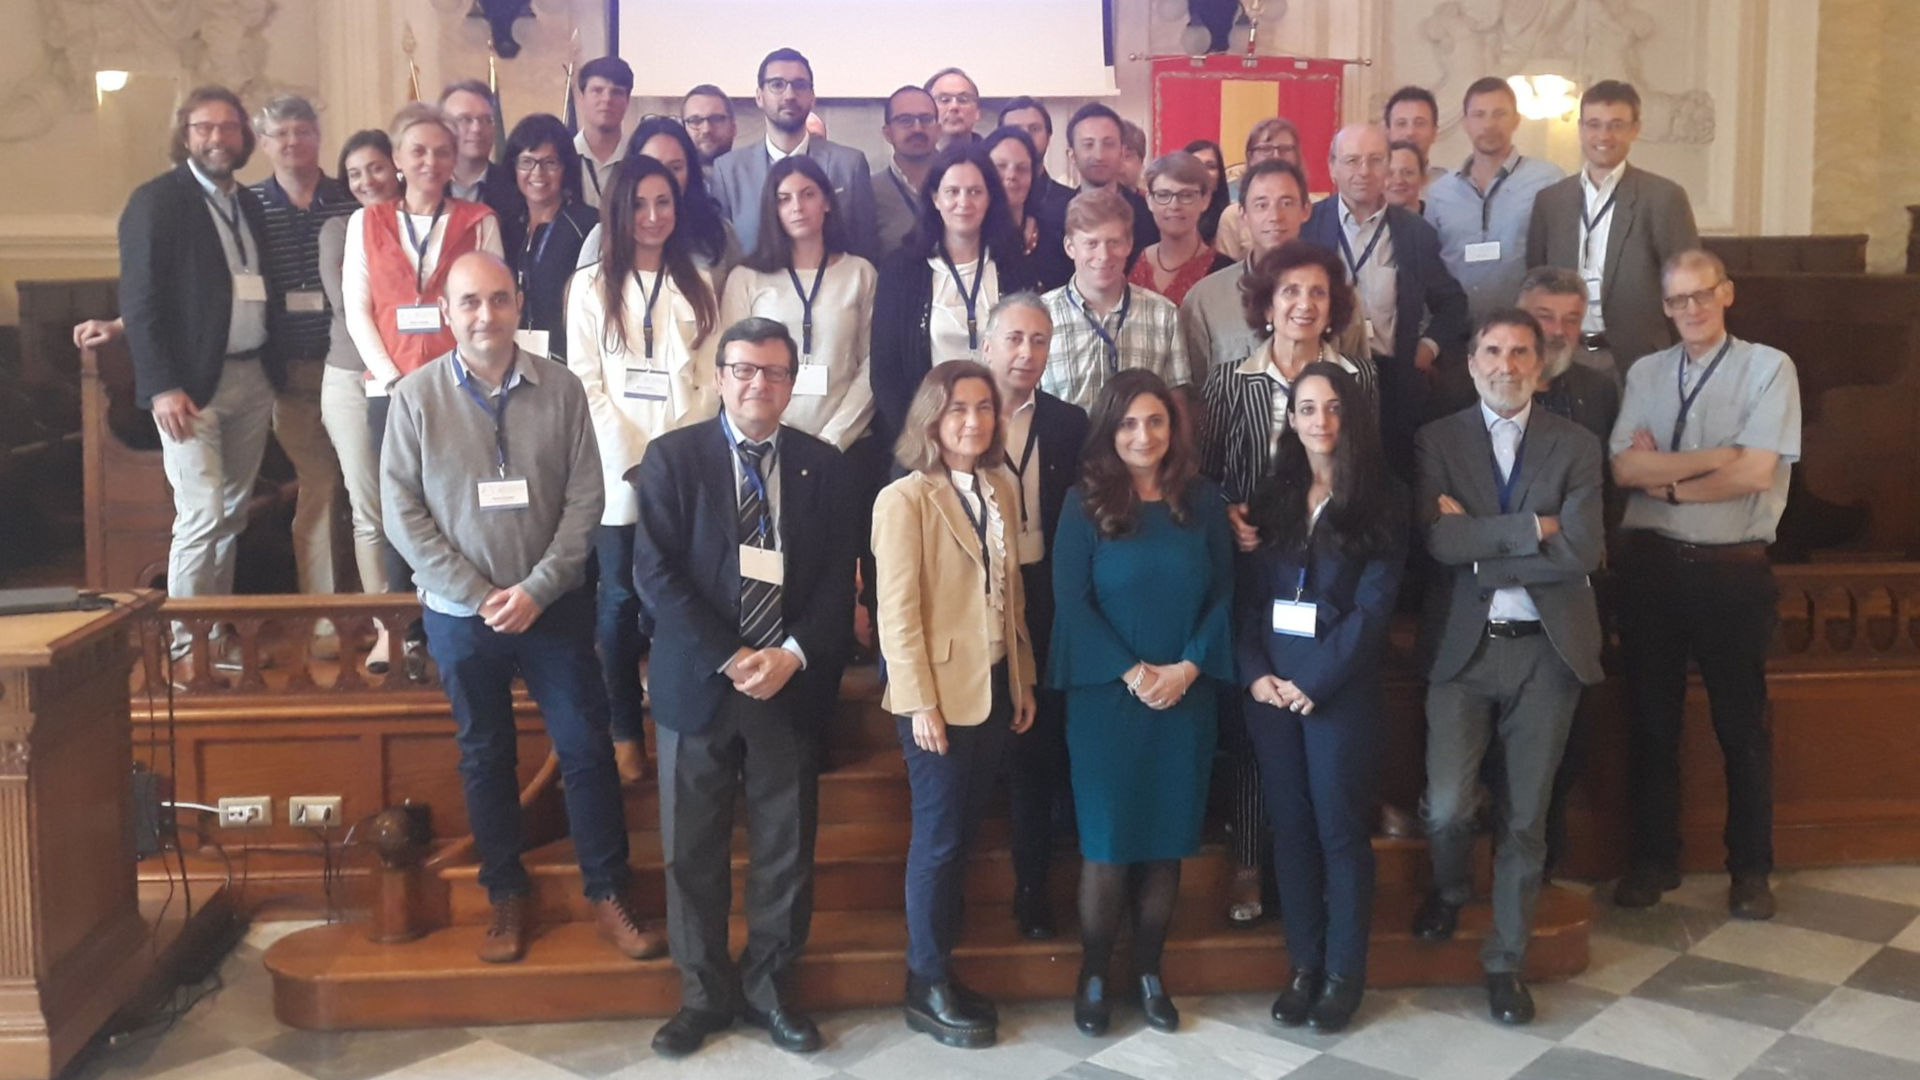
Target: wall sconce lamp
pixel 1545 97
pixel 107 82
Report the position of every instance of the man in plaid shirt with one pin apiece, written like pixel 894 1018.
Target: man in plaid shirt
pixel 1101 324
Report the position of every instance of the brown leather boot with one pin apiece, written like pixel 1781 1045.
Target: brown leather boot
pixel 506 939
pixel 630 757
pixel 615 921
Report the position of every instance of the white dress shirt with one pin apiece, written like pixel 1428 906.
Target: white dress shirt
pixel 1377 283
pixel 1593 242
pixel 1511 604
pixel 774 153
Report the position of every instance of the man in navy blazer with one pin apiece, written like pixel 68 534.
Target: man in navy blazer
pixel 200 312
pixel 743 556
pixel 1044 440
pixel 1412 313
pixel 1510 501
pixel 784 89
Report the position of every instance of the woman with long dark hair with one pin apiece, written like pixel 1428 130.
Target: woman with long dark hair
pixel 641 330
pixel 543 243
pixel 1315 599
pixel 931 301
pixel 708 238
pixel 1019 164
pixel 1215 160
pixel 1142 583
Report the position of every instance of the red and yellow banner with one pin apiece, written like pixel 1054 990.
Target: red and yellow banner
pixel 1221 97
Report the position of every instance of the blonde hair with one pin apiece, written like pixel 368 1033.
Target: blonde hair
pixel 1091 209
pixel 918 448
pixel 415 113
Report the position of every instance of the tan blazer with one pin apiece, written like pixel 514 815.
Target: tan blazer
pixel 933 612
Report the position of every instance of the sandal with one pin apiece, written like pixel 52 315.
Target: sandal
pixel 1245 908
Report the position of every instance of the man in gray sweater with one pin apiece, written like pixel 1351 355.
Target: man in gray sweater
pixel 490 486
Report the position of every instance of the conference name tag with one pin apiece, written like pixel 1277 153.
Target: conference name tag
pixel 533 341
pixel 812 380
pixel 1489 251
pixel 1295 618
pixel 761 564
pixel 417 318
pixel 306 300
pixel 1593 290
pixel 507 494
pixel 251 288
pixel 646 384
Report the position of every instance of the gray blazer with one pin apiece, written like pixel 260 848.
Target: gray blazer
pixel 1484 549
pixel 739 176
pixel 1651 221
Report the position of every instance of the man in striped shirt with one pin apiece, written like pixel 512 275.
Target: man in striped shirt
pixel 298 199
pixel 1101 324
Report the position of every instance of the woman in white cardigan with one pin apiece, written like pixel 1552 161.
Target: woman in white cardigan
pixel 641 325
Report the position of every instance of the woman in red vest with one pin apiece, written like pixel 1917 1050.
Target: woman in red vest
pixel 396 266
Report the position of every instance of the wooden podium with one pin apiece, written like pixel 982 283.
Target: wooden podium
pixel 75 944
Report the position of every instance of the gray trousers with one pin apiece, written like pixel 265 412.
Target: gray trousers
pixel 767 750
pixel 1521 692
pixel 212 473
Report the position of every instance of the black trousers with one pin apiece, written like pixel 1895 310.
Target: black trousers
pixel 1719 614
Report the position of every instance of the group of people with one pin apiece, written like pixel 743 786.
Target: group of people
pixel 1130 481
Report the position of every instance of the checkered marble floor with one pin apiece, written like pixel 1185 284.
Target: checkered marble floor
pixel 1830 988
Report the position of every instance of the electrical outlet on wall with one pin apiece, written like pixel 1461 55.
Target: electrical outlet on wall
pixel 248 812
pixel 314 811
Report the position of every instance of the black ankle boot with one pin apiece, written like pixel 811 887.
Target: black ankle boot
pixel 1092 1012
pixel 1156 1005
pixel 932 1007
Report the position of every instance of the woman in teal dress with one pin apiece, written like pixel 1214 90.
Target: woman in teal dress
pixel 1143 581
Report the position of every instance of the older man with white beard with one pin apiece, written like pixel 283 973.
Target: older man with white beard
pixel 1586 395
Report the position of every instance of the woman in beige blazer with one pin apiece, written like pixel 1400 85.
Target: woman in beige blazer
pixel 959 662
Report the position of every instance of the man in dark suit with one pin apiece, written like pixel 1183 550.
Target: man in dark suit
pixel 1401 285
pixel 199 312
pixel 1510 498
pixel 476 176
pixel 742 557
pixel 1615 225
pixel 1044 437
pixel 784 90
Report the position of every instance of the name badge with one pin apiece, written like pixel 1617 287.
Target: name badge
pixel 250 287
pixel 507 494
pixel 307 300
pixel 1369 327
pixel 1295 618
pixel 1033 547
pixel 417 318
pixel 1488 251
pixel 533 341
pixel 646 384
pixel 1593 290
pixel 812 380
pixel 761 564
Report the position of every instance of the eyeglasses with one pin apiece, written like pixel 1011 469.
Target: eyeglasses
pixel 545 164
pixel 778 85
pixel 224 127
pixel 1677 304
pixel 478 120
pixel 1259 152
pixel 1163 197
pixel 911 120
pixel 949 100
pixel 694 123
pixel 1369 162
pixel 775 376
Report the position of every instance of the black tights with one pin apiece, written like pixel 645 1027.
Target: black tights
pixel 1104 887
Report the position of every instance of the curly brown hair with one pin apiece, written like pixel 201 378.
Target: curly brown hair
pixel 1256 288
pixel 1109 498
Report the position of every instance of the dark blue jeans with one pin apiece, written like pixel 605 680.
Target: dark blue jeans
pixel 617 636
pixel 555 657
pixel 950 793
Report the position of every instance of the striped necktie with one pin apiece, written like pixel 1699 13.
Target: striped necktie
pixel 760 623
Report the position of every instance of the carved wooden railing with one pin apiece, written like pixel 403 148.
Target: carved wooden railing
pixel 1854 616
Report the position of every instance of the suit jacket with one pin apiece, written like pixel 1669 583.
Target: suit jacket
pixel 176 292
pixel 1061 433
pixel 499 190
pixel 738 178
pixel 686 565
pixel 1428 302
pixel 1651 220
pixel 1485 549
pixel 902 351
pixel 932 611
pixel 1587 396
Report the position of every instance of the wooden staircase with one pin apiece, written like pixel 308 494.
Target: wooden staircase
pixel 332 977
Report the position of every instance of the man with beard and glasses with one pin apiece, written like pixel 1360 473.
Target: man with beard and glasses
pixel 199 308
pixel 911 125
pixel 708 114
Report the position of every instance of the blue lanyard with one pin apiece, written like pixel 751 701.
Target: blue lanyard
pixel 646 315
pixel 979 523
pixel 972 298
pixel 1112 340
pixel 1686 399
pixel 1346 248
pixel 1504 487
pixel 232 222
pixel 497 412
pixel 530 257
pixel 806 303
pixel 1588 222
pixel 1486 201
pixel 420 245
pixel 763 528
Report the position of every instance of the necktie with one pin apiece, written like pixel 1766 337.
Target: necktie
pixel 760 623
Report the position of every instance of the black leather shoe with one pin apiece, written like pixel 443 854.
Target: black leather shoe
pixel 974 1000
pixel 1338 1002
pixel 1642 886
pixel 1156 1006
pixel 1508 999
pixel 1750 897
pixel 934 1009
pixel 1436 919
pixel 1092 1012
pixel 1303 989
pixel 1033 912
pixel 790 1029
pixel 683 1034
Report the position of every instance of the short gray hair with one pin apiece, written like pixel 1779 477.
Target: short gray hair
pixel 1694 259
pixel 284 109
pixel 1554 281
pixel 1025 298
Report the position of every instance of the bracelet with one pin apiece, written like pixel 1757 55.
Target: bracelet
pixel 1133 685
